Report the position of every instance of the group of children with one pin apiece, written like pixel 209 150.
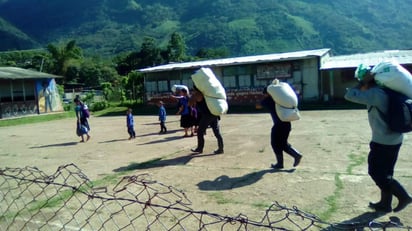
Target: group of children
pixel 189 116
pixel 130 121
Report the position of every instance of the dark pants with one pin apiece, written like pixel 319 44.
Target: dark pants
pixel 213 122
pixel 279 141
pixel 130 130
pixel 381 163
pixel 162 127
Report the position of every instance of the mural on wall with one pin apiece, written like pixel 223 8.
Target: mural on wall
pixel 274 70
pixel 48 96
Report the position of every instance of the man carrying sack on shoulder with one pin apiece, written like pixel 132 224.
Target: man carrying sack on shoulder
pixel 206 119
pixel 385 143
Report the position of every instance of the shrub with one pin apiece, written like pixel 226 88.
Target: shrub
pixel 98 106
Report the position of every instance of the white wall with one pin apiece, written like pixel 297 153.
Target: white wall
pixel 310 76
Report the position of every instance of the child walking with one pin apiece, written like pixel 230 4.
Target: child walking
pixel 162 117
pixel 130 124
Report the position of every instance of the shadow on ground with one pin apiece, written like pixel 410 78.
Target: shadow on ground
pixel 366 221
pixel 56 145
pixel 159 162
pixel 225 182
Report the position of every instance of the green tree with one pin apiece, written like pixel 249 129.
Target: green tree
pixel 176 49
pixel 107 89
pixel 205 53
pixel 149 54
pixel 61 56
pixel 90 74
pixel 135 86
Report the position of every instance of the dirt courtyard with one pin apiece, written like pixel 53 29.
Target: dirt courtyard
pixel 331 181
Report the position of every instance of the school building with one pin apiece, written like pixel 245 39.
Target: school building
pixel 25 92
pixel 316 76
pixel 337 72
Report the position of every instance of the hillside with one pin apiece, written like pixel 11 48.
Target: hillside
pixel 244 27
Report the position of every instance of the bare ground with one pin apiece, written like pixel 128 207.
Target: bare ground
pixel 331 181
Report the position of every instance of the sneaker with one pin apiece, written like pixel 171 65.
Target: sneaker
pixel 219 151
pixel 196 150
pixel 277 166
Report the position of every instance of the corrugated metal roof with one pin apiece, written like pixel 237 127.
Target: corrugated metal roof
pixel 239 60
pixel 20 73
pixel 370 59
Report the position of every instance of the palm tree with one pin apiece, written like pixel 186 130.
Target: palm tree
pixel 61 56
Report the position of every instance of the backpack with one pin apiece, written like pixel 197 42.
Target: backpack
pixel 85 111
pixel 399 115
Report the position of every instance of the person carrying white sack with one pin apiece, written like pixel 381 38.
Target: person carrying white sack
pixel 206 119
pixel 279 134
pixel 385 143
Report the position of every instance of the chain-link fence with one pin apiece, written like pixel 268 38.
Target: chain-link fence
pixel 67 200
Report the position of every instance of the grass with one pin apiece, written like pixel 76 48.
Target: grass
pixel 36 119
pixel 35 205
pixel 332 200
pixel 110 179
pixel 355 161
pixel 121 110
pixel 55 201
pixel 219 198
pixel 111 111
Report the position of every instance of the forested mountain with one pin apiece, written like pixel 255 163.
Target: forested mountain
pixel 242 27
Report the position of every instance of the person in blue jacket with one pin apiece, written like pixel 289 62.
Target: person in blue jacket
pixel 162 117
pixel 130 124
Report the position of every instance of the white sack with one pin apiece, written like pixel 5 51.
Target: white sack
pixel 207 83
pixel 179 87
pixel 283 94
pixel 287 114
pixel 392 75
pixel 216 106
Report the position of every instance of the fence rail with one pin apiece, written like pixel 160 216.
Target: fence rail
pixel 67 200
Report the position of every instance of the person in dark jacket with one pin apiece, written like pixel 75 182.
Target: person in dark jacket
pixel 279 134
pixel 385 143
pixel 206 119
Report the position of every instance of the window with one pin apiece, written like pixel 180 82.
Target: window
pixel 261 82
pixel 29 90
pixel 174 82
pixel 245 81
pixel 163 86
pixel 18 90
pixel 151 86
pixel 187 78
pixel 237 70
pixel 274 70
pixel 5 91
pixel 229 81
